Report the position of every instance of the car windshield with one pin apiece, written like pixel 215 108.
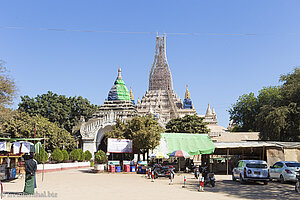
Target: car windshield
pixel 292 164
pixel 256 165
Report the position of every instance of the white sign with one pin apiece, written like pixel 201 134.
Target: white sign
pixel 119 145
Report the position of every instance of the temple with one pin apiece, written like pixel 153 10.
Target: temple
pixel 160 99
pixel 118 105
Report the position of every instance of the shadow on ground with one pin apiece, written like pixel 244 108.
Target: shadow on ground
pixel 88 171
pixel 273 190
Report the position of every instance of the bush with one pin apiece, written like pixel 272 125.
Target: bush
pixel 57 155
pixel 65 154
pixel 88 155
pixel 100 157
pixel 82 156
pixel 74 155
pixel 39 156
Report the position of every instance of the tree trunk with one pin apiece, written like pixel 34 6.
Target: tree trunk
pixel 147 155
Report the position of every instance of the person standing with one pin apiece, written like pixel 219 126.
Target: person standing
pixel 30 169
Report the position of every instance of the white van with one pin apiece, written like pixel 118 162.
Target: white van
pixel 251 170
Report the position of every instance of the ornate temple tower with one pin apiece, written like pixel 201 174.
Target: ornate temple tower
pixel 160 77
pixel 118 105
pixel 160 100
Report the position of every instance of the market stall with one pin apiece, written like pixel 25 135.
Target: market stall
pixel 11 156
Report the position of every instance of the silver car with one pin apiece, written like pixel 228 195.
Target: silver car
pixel 251 170
pixel 285 171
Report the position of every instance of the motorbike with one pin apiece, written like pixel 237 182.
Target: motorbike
pixel 209 178
pixel 196 172
pixel 297 186
pixel 163 171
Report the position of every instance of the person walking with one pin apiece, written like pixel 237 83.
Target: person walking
pixel 30 169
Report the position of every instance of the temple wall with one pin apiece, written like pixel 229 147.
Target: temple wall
pixel 89 145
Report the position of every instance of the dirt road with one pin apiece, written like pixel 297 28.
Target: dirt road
pixel 82 184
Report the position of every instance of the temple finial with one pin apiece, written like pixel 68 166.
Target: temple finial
pixel 119 73
pixel 131 94
pixel 187 93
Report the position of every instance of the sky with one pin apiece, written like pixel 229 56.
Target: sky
pixel 221 49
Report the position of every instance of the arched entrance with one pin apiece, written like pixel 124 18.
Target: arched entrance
pixel 100 136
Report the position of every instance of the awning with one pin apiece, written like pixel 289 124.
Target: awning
pixel 194 144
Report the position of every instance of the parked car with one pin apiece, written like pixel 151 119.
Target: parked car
pixel 285 171
pixel 251 170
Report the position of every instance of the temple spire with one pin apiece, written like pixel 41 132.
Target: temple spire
pixel 208 111
pixel 187 93
pixel 119 73
pixel 187 102
pixel 160 77
pixel 131 94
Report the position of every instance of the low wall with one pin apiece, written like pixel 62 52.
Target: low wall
pixel 61 166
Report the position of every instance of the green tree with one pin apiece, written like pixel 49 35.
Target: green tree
pixel 275 112
pixel 281 120
pixel 42 156
pixel 187 124
pixel 75 155
pixel 65 111
pixel 100 157
pixel 143 130
pixel 244 111
pixel 81 155
pixel 21 125
pixel 65 155
pixel 57 155
pixel 87 155
pixel 8 91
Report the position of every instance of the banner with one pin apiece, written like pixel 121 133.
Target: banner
pixel 119 145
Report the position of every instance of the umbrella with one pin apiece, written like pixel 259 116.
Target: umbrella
pixel 159 155
pixel 179 154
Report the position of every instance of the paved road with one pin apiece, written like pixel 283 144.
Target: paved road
pixel 82 184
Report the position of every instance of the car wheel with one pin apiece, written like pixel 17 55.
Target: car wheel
pixel 282 179
pixel 233 178
pixel 242 181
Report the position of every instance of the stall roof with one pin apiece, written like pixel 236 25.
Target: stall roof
pixel 224 145
pixel 23 139
pixel 194 144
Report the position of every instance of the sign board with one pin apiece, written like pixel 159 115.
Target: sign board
pixel 119 145
pixel 113 162
pixel 126 162
pixel 142 163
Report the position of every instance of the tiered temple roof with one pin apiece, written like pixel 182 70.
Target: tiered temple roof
pixel 119 101
pixel 119 90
